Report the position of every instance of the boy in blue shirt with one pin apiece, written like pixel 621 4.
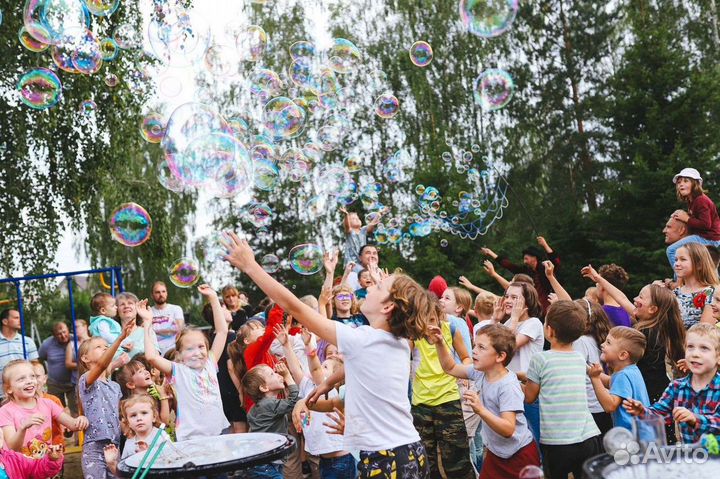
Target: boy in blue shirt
pixel 622 349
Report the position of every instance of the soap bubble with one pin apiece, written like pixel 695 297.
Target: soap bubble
pixel 387 106
pixel 128 36
pixel 180 37
pixel 303 74
pixel 394 235
pixel 40 88
pixel 283 118
pixel 381 236
pixel 130 225
pixel 221 60
pixel 493 89
pixel 531 472
pixel 353 163
pixel 260 214
pixel 306 259
pixel 344 56
pixel 111 80
pixel 421 54
pixel 48 20
pixel 302 49
pixel 266 84
pixel 151 128
pixel 270 263
pixel 102 8
pixel 87 107
pixel 109 49
pixel 251 43
pixel 29 42
pixel 295 164
pixel 168 179
pixel 444 243
pixel 266 174
pixel 488 19
pixel 184 272
pixel 86 54
pixel 207 156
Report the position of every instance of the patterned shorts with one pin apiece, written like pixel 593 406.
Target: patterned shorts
pixel 403 462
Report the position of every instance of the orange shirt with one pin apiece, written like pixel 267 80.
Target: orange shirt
pixel 57 429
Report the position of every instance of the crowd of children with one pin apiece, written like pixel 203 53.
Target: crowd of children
pixel 391 379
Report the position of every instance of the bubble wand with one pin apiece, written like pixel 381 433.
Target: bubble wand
pixel 154 458
pixel 149 450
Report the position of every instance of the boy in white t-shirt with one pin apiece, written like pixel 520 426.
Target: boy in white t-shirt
pixel 505 433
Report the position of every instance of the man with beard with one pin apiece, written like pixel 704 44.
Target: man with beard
pixel 168 319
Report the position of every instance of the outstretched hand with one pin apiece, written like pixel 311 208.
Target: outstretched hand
pixel 207 291
pixel 489 267
pixel 330 260
pixel 590 273
pixel 239 254
pixel 633 407
pixel 549 268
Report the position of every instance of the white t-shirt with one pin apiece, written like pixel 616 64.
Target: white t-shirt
pixel 131 448
pixel 377 371
pixel 165 319
pixel 532 328
pixel 199 407
pixel 484 322
pixel 277 350
pixel 318 440
pixel 589 350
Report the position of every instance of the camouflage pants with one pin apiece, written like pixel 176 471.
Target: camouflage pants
pixel 403 462
pixel 443 427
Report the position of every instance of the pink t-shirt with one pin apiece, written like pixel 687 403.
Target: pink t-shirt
pixel 37 437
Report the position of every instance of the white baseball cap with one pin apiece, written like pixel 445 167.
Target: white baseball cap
pixel 688 173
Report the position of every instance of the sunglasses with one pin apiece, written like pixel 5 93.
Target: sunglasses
pixel 344 297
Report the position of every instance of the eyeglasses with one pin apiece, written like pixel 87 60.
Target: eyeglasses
pixel 344 297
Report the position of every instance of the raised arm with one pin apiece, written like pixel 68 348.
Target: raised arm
pixel 219 321
pixel 489 267
pixel 447 362
pixel 241 256
pixel 609 402
pixel 151 352
pixel 99 368
pixel 293 365
pixel 590 273
pixel 556 286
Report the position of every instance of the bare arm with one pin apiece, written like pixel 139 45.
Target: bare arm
pixel 461 348
pixel 532 391
pixel 616 294
pixel 219 322
pixel 99 368
pixel 241 256
pixel 446 360
pixel 504 424
pixel 490 269
pixel 609 402
pixel 556 286
pixel 293 364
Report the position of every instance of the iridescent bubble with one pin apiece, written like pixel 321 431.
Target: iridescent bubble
pixel 217 153
pixel 128 36
pixel 102 8
pixel 221 60
pixel 210 248
pixel 313 152
pixel 152 128
pixel 130 225
pixel 302 73
pixel 86 56
pixel 333 180
pixel 266 174
pixel 488 19
pixel 266 84
pixel 419 230
pixel 420 189
pixel 394 235
pixel 87 107
pixel 295 164
pixel 184 272
pixel 475 148
pixel 29 42
pixel 263 150
pixel 109 49
pixel 302 49
pixel 330 137
pixel 306 259
pixel 260 214
pixel 48 20
pixel 387 106
pixel 170 86
pixel 270 263
pixel 344 56
pixel 353 163
pixel 251 44
pixel 111 80
pixel 283 118
pixel 229 179
pixel 421 54
pixel 381 236
pixel 493 89
pixel 168 180
pixel 262 232
pixel 444 243
pixel 40 88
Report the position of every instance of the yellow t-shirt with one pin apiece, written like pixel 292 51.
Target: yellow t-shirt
pixel 432 385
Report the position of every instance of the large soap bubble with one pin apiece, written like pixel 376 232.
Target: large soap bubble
pixel 488 18
pixel 40 88
pixel 180 37
pixel 493 89
pixel 344 56
pixel 283 118
pixel 184 272
pixel 306 259
pixel 130 225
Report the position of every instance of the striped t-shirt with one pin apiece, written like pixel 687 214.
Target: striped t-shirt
pixel 564 414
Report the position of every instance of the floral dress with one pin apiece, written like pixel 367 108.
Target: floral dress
pixel 692 304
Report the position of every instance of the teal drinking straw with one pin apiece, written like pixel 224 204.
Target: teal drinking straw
pixel 149 450
pixel 154 458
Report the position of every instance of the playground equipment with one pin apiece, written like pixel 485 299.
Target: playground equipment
pixel 115 284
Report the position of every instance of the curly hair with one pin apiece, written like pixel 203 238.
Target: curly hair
pixel 415 308
pixel 133 400
pixel 614 274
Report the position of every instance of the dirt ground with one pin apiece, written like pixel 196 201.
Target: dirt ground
pixel 73 469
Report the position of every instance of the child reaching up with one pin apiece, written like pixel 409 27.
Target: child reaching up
pixel 199 406
pixel 505 433
pixel 27 418
pixel 693 400
pixel 136 380
pixel 14 464
pixel 377 361
pixel 622 349
pixel 568 434
pixel 270 414
pixel 701 217
pixel 356 234
pixel 100 398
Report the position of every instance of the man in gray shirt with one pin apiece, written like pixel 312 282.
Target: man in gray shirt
pixel 52 351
